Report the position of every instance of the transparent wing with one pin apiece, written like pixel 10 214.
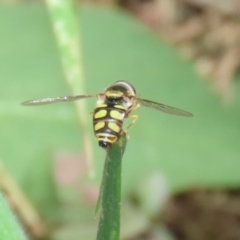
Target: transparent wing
pixel 163 108
pixel 49 100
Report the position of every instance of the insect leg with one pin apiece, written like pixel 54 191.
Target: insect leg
pixel 135 117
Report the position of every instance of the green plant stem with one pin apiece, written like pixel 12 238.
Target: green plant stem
pixel 109 223
pixel 68 36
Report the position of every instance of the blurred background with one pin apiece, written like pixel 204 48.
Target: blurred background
pixel 181 176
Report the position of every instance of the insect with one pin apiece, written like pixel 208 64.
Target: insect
pixel 116 103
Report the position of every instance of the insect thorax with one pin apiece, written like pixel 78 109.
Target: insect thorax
pixel 121 93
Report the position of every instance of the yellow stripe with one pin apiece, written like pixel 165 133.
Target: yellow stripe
pixel 106 140
pixel 100 113
pixel 102 105
pixel 105 135
pixel 119 107
pixel 113 126
pixel 116 115
pixel 113 94
pixel 99 125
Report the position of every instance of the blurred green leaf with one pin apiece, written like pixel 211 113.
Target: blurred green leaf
pixel 79 224
pixel 40 182
pixel 9 227
pixel 203 150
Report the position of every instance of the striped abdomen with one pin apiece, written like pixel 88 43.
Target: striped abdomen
pixel 107 123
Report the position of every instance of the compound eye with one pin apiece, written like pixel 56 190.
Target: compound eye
pixel 105 145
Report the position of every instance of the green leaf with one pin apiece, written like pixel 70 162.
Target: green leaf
pixel 203 150
pixel 9 227
pixel 109 223
pixel 40 183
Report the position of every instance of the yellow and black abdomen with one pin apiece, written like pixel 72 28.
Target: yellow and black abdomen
pixel 107 123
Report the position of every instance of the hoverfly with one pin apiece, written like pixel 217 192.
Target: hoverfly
pixel 114 105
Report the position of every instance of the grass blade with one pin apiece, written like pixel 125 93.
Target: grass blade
pixel 68 36
pixel 110 193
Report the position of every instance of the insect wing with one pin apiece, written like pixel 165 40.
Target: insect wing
pixel 49 100
pixel 163 108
